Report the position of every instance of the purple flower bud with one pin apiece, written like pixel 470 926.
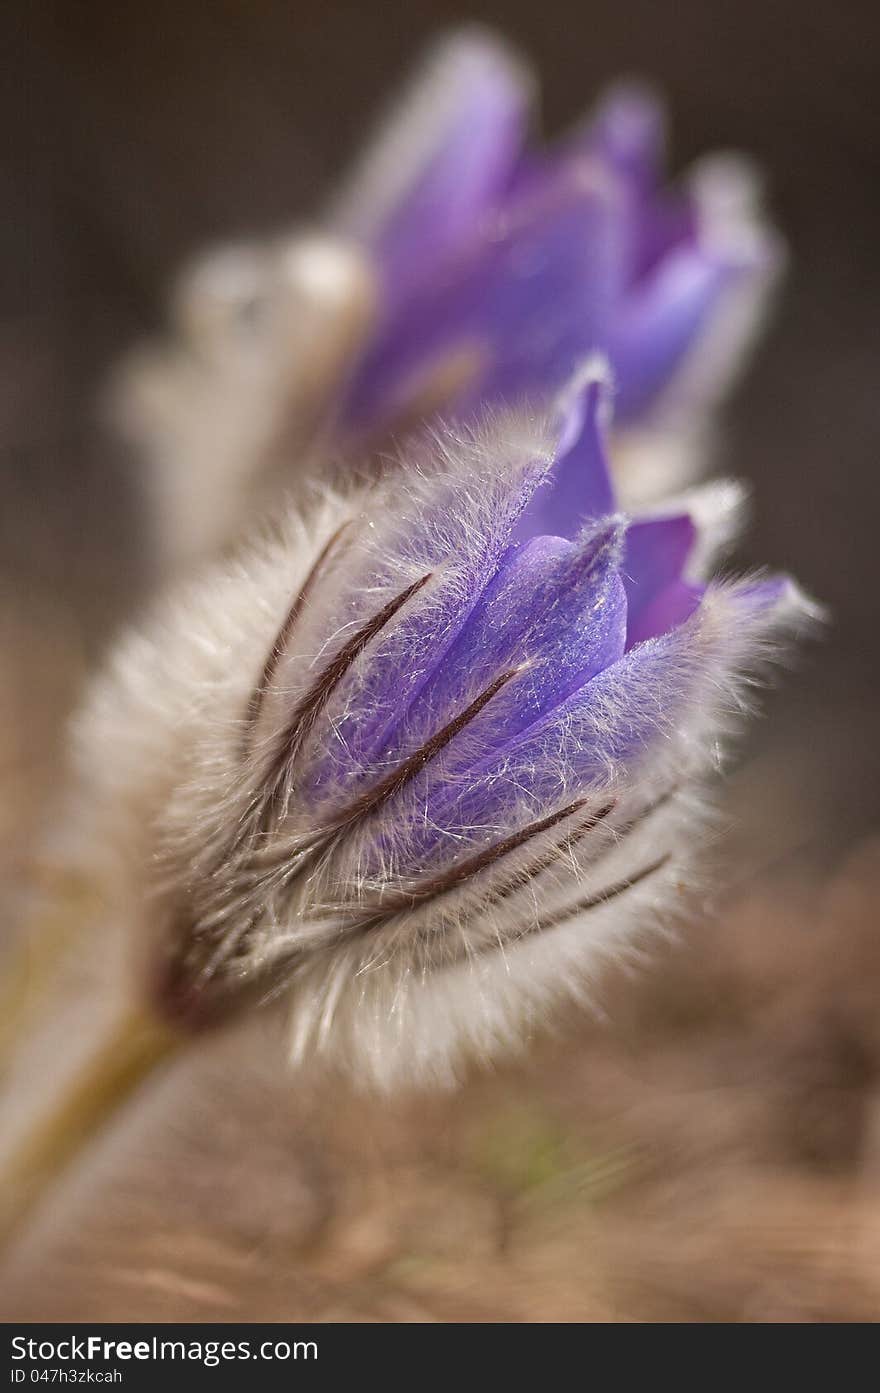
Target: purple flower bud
pixel 421 765
pixel 515 264
pixel 458 267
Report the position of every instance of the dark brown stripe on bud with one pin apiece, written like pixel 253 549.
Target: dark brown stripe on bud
pixel 602 897
pixel 308 710
pixel 255 705
pixel 381 792
pixel 397 779
pixel 435 887
pixel 550 857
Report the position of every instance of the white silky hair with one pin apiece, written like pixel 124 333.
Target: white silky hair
pixel 262 334
pixel 393 988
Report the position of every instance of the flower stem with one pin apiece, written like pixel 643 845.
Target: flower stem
pixel 65 905
pixel 137 1046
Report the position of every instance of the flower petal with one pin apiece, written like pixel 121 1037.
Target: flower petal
pixel 663 318
pixel 674 604
pixel 557 610
pixel 445 154
pixel 532 293
pixel 659 702
pixel 579 486
pixel 449 522
pixel 657 551
pixel 627 128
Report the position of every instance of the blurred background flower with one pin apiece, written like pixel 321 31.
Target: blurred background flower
pixel 713 1152
pixel 501 265
pixel 458 265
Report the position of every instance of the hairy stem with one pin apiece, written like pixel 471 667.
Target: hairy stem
pixel 123 1061
pixel 65 903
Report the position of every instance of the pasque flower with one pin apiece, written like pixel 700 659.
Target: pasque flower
pixel 457 266
pixel 500 266
pixel 421 763
pixel 416 764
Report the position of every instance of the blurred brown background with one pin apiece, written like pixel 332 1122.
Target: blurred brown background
pixel 137 134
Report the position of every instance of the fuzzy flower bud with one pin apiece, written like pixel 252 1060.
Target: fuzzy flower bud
pixel 458 267
pixel 421 763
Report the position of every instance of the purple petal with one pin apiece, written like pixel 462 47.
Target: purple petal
pixel 628 130
pixel 445 155
pixel 533 293
pixel 674 604
pixel 579 486
pixel 663 319
pixel 655 556
pixel 581 744
pixel 559 608
pixel 624 133
pixel 457 531
pixel 556 610
pixel 648 704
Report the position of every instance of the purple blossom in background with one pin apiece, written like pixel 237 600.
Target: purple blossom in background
pixel 422 766
pixel 501 267
pixel 459 267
